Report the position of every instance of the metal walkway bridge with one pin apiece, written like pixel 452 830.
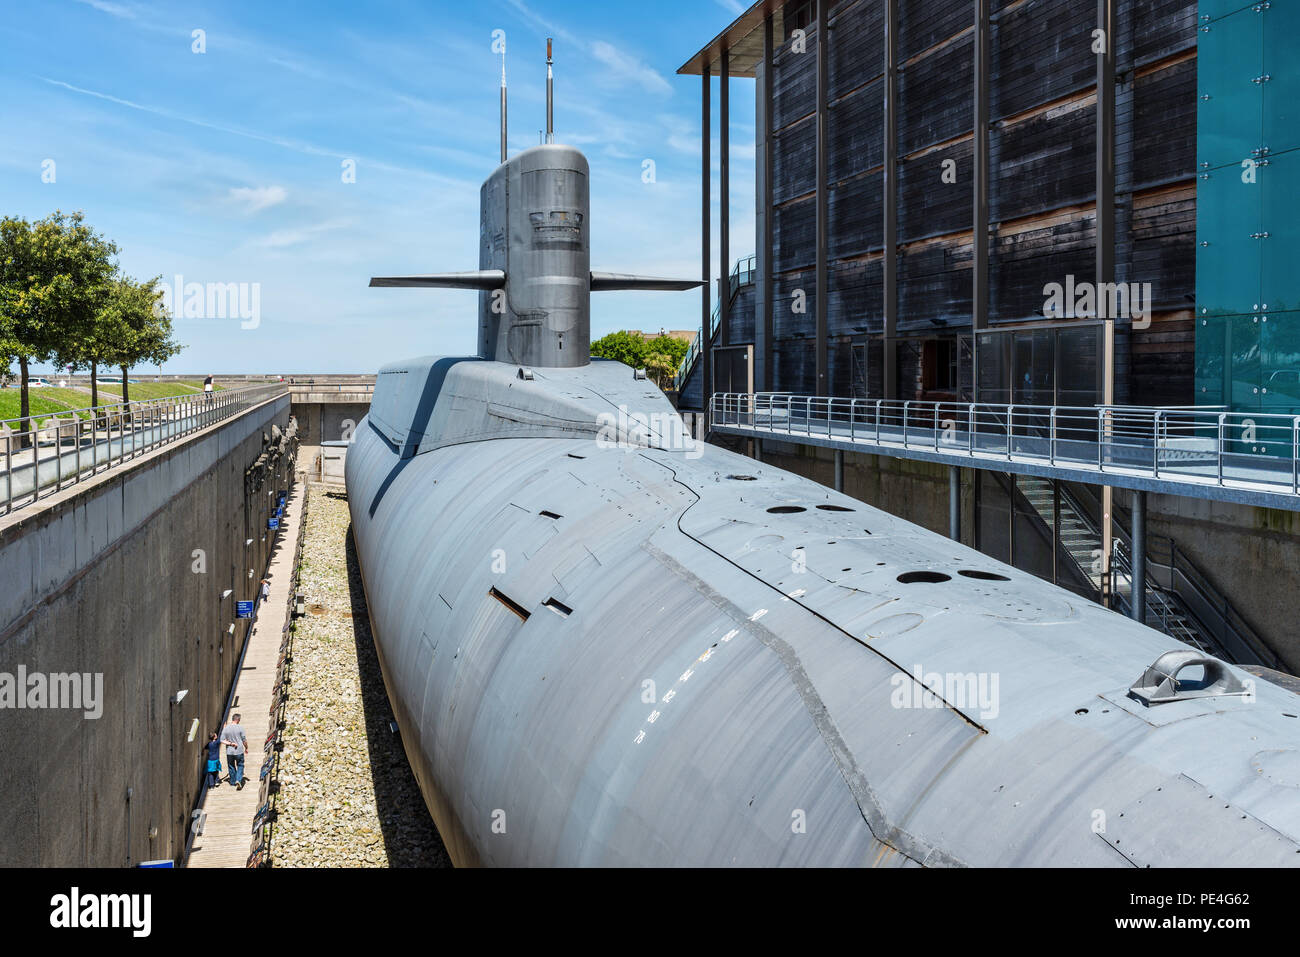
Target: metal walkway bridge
pixel 1202 452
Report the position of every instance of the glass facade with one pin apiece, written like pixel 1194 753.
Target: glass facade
pixel 1049 365
pixel 1248 207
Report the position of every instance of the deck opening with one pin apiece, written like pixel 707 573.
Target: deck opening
pixel 561 609
pixel 510 603
pixel 933 578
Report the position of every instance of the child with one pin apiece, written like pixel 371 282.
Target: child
pixel 214 760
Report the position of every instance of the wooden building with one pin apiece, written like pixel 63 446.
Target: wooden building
pixel 891 133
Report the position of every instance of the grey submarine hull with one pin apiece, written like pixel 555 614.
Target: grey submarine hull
pixel 607 645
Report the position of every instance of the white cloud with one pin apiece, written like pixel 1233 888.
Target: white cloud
pixel 629 67
pixel 283 238
pixel 254 199
pixel 112 9
pixel 734 6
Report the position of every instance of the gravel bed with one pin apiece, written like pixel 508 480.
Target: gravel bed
pixel 347 795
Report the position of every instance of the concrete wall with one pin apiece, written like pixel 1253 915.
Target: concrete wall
pixel 325 417
pixel 123 576
pixel 1251 554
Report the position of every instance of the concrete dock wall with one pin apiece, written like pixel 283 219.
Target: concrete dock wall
pixel 120 580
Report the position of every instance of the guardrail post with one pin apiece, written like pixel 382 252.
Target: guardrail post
pixel 938 407
pixel 1223 418
pixel 1051 437
pixel 906 409
pixel 970 432
pixel 1101 428
pixel 1295 455
pixel 1011 428
pixel 1155 444
pixel 853 419
pixel 878 404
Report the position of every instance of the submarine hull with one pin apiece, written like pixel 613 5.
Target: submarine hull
pixel 608 646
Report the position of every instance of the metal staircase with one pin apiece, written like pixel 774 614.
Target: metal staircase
pixel 1180 601
pixel 742 274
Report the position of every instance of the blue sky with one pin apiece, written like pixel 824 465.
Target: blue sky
pixel 226 166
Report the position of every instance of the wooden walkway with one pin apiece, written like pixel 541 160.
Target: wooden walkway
pixel 228 832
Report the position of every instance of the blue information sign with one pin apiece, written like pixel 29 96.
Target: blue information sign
pixel 243 609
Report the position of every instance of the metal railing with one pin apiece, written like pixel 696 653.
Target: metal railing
pixel 57 450
pixel 1203 446
pixel 742 274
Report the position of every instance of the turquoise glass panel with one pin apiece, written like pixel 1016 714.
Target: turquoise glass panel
pixel 1280 249
pixel 1282 67
pixel 1229 115
pixel 1228 214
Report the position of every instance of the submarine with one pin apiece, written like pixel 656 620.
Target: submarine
pixel 608 643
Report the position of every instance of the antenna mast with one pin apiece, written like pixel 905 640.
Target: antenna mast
pixel 503 103
pixel 550 96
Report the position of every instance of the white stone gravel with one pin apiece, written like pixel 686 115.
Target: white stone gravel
pixel 347 795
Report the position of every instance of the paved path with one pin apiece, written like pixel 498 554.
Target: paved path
pixel 228 833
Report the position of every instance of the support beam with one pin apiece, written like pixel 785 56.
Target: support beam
pixel 1138 536
pixel 839 470
pixel 823 208
pixel 954 503
pixel 889 354
pixel 705 360
pixel 1105 250
pixel 980 186
pixel 724 198
pixel 763 330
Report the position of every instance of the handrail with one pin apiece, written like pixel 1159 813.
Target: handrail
pixel 737 279
pixel 33 462
pixel 1257 450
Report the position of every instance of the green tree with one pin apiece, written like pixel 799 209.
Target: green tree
pixel 664 356
pixel 52 274
pixel 140 328
pixel 628 348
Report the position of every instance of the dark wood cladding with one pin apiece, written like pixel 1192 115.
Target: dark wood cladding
pixel 934 96
pixel 1042 107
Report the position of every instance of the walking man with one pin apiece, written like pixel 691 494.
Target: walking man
pixel 207 388
pixel 232 736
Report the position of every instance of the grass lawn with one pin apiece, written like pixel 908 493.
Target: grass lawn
pixel 43 402
pixel 151 390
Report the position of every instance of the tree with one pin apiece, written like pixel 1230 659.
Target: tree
pixel 51 275
pixel 140 328
pixel 628 348
pixel 664 356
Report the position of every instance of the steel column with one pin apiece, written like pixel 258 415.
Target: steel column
pixel 954 503
pixel 1138 536
pixel 1105 231
pixel 980 185
pixel 724 198
pixel 764 330
pixel 822 208
pixel 839 470
pixel 889 351
pixel 705 360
